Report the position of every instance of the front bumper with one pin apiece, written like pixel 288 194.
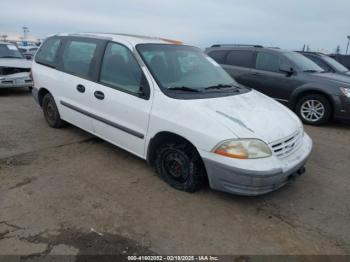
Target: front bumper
pixel 341 107
pixel 16 80
pixel 259 176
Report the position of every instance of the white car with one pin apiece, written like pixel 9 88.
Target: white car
pixel 172 105
pixel 14 68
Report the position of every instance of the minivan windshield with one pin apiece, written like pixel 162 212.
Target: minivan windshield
pixel 184 68
pixel 334 63
pixel 303 63
pixel 9 51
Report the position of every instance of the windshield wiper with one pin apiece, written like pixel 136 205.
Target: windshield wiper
pixel 311 71
pixel 220 86
pixel 184 88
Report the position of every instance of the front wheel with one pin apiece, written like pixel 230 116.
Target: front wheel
pixel 314 109
pixel 180 165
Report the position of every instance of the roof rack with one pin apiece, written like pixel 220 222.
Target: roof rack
pixel 146 37
pixel 236 45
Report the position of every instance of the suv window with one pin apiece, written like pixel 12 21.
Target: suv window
pixel 120 69
pixel 77 57
pixel 47 53
pixel 319 62
pixel 218 56
pixel 267 62
pixel 240 58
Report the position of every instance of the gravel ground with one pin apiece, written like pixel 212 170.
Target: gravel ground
pixel 67 192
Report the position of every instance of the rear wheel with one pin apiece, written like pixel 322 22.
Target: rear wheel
pixel 180 165
pixel 51 113
pixel 314 109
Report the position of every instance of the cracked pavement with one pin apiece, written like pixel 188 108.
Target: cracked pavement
pixel 67 192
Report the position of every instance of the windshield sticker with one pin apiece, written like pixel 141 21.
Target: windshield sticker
pixel 11 47
pixel 211 60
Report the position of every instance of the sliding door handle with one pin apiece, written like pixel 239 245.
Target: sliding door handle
pixel 99 95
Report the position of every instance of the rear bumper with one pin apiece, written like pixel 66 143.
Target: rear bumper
pixel 250 182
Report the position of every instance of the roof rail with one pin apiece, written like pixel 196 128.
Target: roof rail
pixel 236 45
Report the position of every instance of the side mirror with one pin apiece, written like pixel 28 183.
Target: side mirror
pixel 285 68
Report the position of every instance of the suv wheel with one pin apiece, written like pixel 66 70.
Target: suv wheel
pixel 314 109
pixel 180 166
pixel 51 113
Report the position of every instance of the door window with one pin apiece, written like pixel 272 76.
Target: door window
pixel 77 57
pixel 267 62
pixel 47 53
pixel 240 58
pixel 120 69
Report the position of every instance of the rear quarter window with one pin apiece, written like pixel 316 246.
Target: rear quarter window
pixel 77 57
pixel 240 58
pixel 47 53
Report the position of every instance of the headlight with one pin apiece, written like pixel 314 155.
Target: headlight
pixel 345 91
pixel 243 149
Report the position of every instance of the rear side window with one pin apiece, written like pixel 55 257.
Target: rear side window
pixel 47 53
pixel 240 58
pixel 77 57
pixel 120 69
pixel 267 62
pixel 218 56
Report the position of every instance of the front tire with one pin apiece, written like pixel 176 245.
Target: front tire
pixel 314 109
pixel 51 113
pixel 180 165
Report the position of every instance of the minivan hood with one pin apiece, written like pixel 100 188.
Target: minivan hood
pixel 15 62
pixel 252 115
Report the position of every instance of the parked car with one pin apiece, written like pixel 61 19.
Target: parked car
pixel 289 77
pixel 14 68
pixel 343 59
pixel 28 51
pixel 172 105
pixel 327 63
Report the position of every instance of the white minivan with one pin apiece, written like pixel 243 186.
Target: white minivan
pixel 172 105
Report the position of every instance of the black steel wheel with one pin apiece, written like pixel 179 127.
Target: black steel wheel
pixel 180 165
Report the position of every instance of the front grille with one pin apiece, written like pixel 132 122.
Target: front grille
pixel 12 70
pixel 287 146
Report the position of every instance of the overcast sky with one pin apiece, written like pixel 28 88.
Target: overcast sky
pixel 287 24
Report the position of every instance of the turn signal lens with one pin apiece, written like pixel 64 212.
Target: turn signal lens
pixel 243 149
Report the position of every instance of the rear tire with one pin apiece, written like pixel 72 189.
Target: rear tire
pixel 314 109
pixel 51 113
pixel 180 165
